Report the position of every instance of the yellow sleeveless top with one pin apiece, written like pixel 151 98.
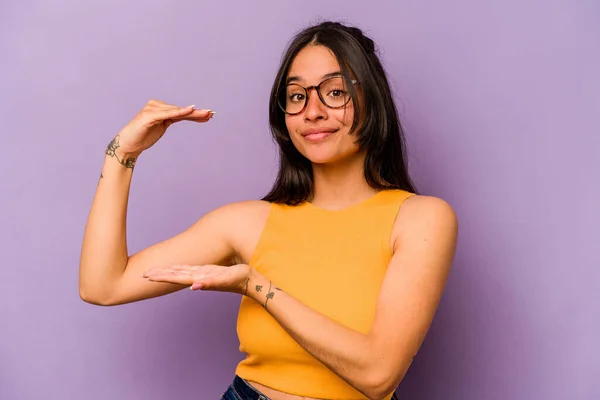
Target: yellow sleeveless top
pixel 332 261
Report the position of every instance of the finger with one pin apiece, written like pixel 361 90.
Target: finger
pixel 210 281
pixel 160 271
pixel 204 283
pixel 197 114
pixel 172 113
pixel 181 279
pixel 203 113
pixel 170 122
pixel 161 275
pixel 199 270
pixel 151 272
pixel 201 119
pixel 184 267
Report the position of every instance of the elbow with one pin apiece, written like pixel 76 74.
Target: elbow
pixel 94 300
pixel 378 389
pixel 382 382
pixel 96 290
pixel 94 297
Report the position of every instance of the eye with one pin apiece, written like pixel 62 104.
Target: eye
pixel 296 97
pixel 337 93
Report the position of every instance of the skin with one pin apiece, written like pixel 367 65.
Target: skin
pixel 425 230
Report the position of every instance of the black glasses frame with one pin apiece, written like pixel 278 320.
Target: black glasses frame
pixel 307 91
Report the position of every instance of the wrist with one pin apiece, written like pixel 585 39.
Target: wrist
pixel 125 158
pixel 257 286
pixel 260 288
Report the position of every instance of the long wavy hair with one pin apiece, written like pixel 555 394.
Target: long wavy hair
pixel 376 124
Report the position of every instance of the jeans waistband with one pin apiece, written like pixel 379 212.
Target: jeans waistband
pixel 246 392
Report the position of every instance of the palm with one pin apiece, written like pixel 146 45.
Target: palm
pixel 222 278
pixel 211 277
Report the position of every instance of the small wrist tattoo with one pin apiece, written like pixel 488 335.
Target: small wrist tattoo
pixel 270 294
pixel 111 151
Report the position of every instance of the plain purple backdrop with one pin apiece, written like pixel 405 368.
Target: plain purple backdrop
pixel 500 104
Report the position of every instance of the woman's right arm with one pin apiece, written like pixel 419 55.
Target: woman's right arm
pixel 107 274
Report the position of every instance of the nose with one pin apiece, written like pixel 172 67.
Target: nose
pixel 315 109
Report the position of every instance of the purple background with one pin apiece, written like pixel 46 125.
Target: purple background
pixel 501 105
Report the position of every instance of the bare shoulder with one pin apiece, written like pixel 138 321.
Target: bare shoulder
pixel 244 222
pixel 422 217
pixel 419 206
pixel 243 211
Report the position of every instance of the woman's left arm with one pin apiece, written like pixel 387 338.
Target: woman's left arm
pixel 375 363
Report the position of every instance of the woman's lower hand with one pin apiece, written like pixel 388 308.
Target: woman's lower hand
pixel 204 277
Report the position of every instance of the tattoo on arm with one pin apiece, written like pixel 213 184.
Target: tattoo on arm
pixel 270 294
pixel 111 151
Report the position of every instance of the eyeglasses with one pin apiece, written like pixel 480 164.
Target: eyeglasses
pixel 333 92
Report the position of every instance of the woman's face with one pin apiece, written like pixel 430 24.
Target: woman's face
pixel 319 132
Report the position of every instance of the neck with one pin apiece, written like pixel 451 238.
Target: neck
pixel 342 184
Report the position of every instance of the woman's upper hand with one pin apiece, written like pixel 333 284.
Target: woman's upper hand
pixel 206 277
pixel 151 123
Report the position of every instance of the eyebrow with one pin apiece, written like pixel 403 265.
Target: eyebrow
pixel 291 79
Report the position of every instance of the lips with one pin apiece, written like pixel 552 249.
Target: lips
pixel 317 134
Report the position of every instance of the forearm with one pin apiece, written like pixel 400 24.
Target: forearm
pixel 348 353
pixel 104 250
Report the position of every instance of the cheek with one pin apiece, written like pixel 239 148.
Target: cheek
pixel 291 123
pixel 346 116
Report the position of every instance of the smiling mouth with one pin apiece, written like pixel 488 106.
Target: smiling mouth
pixel 318 135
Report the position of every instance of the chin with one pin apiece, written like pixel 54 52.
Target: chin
pixel 317 159
pixel 329 151
pixel 324 156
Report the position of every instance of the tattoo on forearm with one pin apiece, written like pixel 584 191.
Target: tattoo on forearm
pixel 111 151
pixel 270 294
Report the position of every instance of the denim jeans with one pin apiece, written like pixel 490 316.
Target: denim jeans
pixel 241 390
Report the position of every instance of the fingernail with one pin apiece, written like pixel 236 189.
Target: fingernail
pixel 192 106
pixel 212 112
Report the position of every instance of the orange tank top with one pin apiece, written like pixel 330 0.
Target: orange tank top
pixel 332 261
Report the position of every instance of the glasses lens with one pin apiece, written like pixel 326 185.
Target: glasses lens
pixel 335 92
pixel 293 99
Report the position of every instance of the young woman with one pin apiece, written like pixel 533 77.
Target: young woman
pixel 340 267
